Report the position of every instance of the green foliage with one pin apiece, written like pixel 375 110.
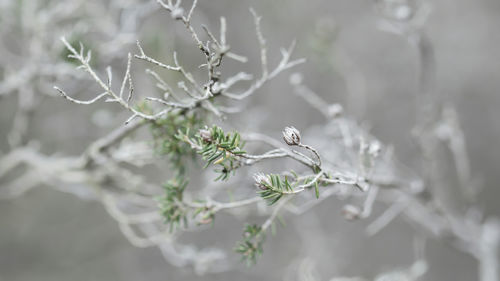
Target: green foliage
pixel 171 205
pixel 167 142
pixel 251 246
pixel 273 187
pixel 176 212
pixel 315 185
pixel 226 170
pixel 222 149
pixel 204 215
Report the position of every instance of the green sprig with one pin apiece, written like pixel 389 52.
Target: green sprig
pixel 221 149
pixel 273 187
pixel 251 247
pixel 167 142
pixel 171 205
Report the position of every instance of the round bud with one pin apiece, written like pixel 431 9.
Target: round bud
pixel 291 136
pixel 205 135
pixel 177 13
pixel 261 181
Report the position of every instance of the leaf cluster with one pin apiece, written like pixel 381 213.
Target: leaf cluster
pixel 205 214
pixel 171 205
pixel 274 187
pixel 222 149
pixel 167 142
pixel 176 212
pixel 251 247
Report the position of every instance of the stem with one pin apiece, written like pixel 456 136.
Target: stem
pixel 275 213
pixel 314 151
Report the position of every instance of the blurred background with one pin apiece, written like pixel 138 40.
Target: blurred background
pixel 50 235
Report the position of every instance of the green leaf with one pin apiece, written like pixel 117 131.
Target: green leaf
pixel 316 188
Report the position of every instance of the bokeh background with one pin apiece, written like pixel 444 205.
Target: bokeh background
pixel 49 235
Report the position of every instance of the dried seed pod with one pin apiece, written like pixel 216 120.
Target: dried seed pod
pixel 291 136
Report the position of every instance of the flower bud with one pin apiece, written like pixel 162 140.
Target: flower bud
pixel 351 212
pixel 206 220
pixel 177 13
pixel 291 136
pixel 205 135
pixel 261 181
pixel 335 110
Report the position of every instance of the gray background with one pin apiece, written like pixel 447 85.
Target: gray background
pixel 47 235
